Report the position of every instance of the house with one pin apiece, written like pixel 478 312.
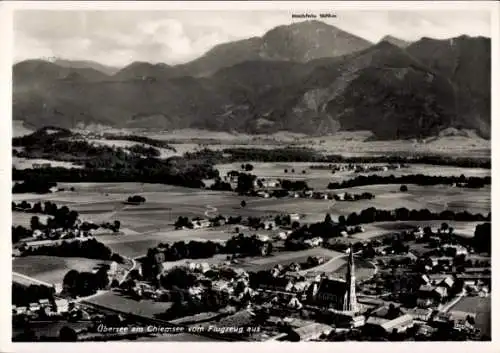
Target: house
pixel 447 282
pixel 358 321
pixel 300 286
pixel 400 324
pixel 282 235
pixel 310 332
pixel 294 303
pixel 313 242
pixel 21 310
pixel 38 234
pixel 263 194
pixel 269 225
pixel 421 314
pixel 200 223
pixel 283 284
pixel 221 286
pixel 34 307
pixel 294 217
pixel 455 250
pixel 44 303
pixel 263 237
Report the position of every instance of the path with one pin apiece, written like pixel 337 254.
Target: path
pixel 30 279
pixel 210 210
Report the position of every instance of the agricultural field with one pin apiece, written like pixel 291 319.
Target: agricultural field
pixel 24 218
pixel 26 163
pixel 319 178
pixel 136 245
pixel 286 258
pixel 120 302
pixel 51 269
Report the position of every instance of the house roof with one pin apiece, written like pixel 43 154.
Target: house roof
pixel 332 286
pixel 441 291
pixel 400 321
pixel 426 288
pixel 312 329
pixel 448 281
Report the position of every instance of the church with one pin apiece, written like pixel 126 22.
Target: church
pixel 337 294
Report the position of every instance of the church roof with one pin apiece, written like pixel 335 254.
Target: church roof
pixel 332 286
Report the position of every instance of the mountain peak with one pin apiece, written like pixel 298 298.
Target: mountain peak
pixel 395 41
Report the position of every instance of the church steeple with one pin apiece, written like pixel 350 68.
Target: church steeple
pixel 350 303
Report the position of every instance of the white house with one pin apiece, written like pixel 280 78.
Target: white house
pixel 62 306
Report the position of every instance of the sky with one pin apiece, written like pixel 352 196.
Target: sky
pixel 118 38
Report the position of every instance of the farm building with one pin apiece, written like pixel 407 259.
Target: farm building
pixel 310 332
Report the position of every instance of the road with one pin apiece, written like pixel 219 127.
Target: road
pixel 29 279
pixel 451 304
pixel 134 265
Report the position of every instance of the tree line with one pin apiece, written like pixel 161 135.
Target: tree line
pixel 237 245
pixel 90 249
pixel 85 283
pixel 24 295
pixel 304 154
pixel 418 179
pixel 141 139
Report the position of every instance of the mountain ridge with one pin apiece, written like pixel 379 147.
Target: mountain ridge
pixel 394 92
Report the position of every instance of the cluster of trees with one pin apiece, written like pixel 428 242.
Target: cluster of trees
pixel 221 185
pixel 34 185
pixel 85 283
pixel 24 295
pixel 237 245
pixel 245 184
pixel 136 199
pixel 418 179
pixel 247 167
pixel 19 233
pixel 301 154
pixel 105 163
pixel 288 154
pixel 145 170
pixel 294 185
pixel 355 197
pixel 91 249
pixel 147 151
pixel 141 139
pixel 372 214
pixel 210 301
pixel 482 238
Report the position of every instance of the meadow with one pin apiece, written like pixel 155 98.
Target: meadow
pixel 52 269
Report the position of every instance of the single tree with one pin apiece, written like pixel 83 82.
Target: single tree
pixel 243 203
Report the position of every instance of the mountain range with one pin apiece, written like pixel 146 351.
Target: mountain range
pixel 307 77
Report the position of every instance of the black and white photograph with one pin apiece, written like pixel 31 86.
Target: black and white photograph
pixel 284 174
